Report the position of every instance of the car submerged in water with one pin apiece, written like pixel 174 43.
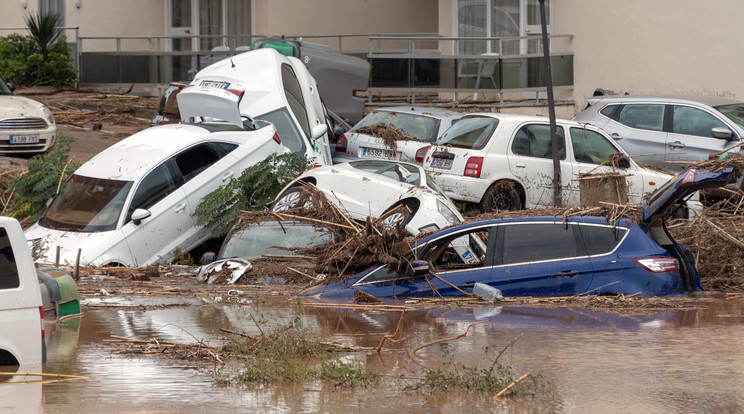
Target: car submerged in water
pixel 548 256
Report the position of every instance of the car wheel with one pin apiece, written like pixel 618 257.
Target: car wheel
pixel 501 196
pixel 400 217
pixel 295 196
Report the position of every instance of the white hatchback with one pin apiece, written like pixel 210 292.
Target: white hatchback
pixel 26 126
pixel 473 160
pixel 132 204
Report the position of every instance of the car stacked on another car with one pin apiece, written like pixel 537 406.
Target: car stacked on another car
pixel 374 137
pixel 668 131
pixel 504 162
pixel 26 126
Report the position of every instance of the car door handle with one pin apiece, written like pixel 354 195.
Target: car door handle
pixel 616 136
pixel 181 207
pixel 676 144
pixel 365 179
pixel 569 273
pixel 228 175
pixel 521 165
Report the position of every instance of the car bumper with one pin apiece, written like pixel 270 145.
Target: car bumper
pixel 46 139
pixel 458 187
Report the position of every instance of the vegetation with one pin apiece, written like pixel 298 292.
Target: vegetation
pixel 256 187
pixel 47 174
pixel 40 59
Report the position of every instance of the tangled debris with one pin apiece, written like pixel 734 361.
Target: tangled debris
pixel 389 133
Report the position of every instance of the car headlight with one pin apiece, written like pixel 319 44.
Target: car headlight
pixel 445 211
pixel 48 114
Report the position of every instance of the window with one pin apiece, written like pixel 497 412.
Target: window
pixel 609 110
pixel 401 172
pixel 469 133
pixel 8 271
pixel 643 116
pixel 601 239
pixel 461 252
pixel 535 242
pixel 293 92
pixel 590 146
pixel 734 112
pixel 53 7
pixel 286 129
pixel 693 121
pixel 411 126
pixel 154 187
pixel 195 160
pixel 534 140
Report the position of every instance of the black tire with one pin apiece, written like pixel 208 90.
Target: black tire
pixel 400 217
pixel 500 196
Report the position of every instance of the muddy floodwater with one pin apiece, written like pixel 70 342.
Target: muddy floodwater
pixel 666 361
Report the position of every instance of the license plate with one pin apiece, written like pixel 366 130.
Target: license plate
pixel 214 84
pixel 442 163
pixel 24 139
pixel 376 153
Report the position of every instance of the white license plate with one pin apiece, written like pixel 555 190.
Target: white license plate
pixel 24 139
pixel 214 84
pixel 376 153
pixel 442 163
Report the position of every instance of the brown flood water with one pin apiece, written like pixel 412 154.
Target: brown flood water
pixel 665 362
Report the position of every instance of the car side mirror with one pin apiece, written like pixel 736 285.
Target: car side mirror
pixel 319 130
pixel 417 268
pixel 139 215
pixel 207 258
pixel 623 162
pixel 11 87
pixel 721 133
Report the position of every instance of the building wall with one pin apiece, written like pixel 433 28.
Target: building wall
pixel 122 18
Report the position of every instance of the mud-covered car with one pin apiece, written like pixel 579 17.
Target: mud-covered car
pixel 401 192
pixel 548 256
pixel 26 126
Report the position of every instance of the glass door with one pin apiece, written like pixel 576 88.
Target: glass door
pixel 180 29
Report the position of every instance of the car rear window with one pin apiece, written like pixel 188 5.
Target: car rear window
pixel 410 126
pixel 470 133
pixel 601 239
pixel 8 271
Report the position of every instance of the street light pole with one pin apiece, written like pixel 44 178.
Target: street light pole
pixel 551 110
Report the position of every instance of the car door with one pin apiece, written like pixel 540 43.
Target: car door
pixel 601 241
pixel 160 193
pixel 690 137
pixel 639 129
pixel 530 158
pixel 540 259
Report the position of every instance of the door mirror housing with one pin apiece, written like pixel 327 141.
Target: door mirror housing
pixel 721 133
pixel 139 215
pixel 319 130
pixel 417 268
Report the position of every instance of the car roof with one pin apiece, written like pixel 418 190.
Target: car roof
pixel 137 154
pixel 700 99
pixel 518 118
pixel 422 110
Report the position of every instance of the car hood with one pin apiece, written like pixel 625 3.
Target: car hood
pixel 91 245
pixel 12 106
pixel 679 187
pixel 200 101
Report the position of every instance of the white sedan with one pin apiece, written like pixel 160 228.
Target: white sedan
pixel 132 204
pixel 370 188
pixel 504 161
pixel 26 126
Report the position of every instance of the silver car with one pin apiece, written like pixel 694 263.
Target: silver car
pixel 668 131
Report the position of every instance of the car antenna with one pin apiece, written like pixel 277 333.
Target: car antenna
pixel 231 62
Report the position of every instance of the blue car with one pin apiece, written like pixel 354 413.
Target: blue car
pixel 545 256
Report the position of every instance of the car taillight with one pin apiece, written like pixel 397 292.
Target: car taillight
pixel 277 139
pixel 341 144
pixel 473 167
pixel 316 166
pixel 658 264
pixel 41 311
pixel 421 153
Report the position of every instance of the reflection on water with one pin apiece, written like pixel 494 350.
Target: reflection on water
pixel 660 362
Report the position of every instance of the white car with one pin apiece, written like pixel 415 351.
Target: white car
pixel 132 204
pixel 474 158
pixel 277 89
pixel 26 126
pixel 419 127
pixel 370 188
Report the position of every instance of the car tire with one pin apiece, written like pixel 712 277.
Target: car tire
pixel 500 196
pixel 401 217
pixel 293 197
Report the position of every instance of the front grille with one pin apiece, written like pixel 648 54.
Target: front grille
pixel 22 123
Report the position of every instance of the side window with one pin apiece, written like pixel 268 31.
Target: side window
pixel 8 271
pixel 294 96
pixel 601 239
pixel 286 128
pixel 462 252
pixel 608 110
pixel 643 116
pixel 590 146
pixel 153 188
pixel 535 141
pixel 195 160
pixel 534 242
pixel 694 121
pixel 226 147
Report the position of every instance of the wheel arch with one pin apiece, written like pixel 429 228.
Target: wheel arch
pixel 517 186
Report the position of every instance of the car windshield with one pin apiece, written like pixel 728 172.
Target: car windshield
pixel 733 112
pixel 87 204
pixel 402 172
pixel 272 238
pixel 471 133
pixel 410 126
